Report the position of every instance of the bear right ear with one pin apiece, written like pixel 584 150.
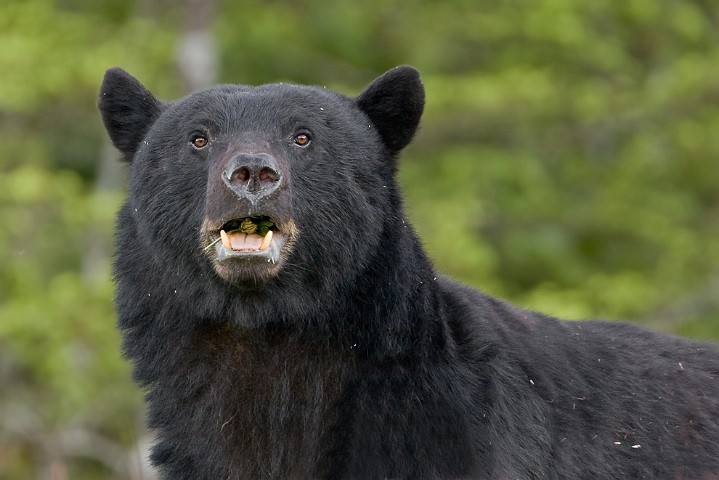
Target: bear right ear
pixel 394 103
pixel 128 110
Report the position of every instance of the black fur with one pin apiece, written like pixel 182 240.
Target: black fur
pixel 128 110
pixel 350 357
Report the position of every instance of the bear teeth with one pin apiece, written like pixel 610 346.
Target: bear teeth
pixel 225 240
pixel 237 240
pixel 266 241
pixel 247 234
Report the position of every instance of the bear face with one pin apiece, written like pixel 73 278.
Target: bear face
pixel 305 165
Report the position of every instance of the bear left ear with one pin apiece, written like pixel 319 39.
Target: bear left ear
pixel 394 103
pixel 128 110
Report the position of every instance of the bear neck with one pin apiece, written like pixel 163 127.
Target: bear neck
pixel 399 320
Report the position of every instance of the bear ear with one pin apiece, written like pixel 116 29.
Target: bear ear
pixel 128 110
pixel 394 103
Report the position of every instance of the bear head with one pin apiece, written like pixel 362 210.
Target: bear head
pixel 262 184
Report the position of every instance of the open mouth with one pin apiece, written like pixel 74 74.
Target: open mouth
pixel 247 238
pixel 248 234
pixel 248 247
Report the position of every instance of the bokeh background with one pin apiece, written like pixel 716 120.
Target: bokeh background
pixel 568 161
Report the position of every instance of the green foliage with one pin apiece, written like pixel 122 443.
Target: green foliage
pixel 51 53
pixel 569 151
pixel 58 344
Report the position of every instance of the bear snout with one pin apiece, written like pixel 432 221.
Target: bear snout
pixel 252 176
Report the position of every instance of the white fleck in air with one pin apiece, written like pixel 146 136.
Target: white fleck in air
pixel 636 446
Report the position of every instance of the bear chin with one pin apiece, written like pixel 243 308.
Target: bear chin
pixel 247 270
pixel 248 266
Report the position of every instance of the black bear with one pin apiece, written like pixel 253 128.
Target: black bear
pixel 286 323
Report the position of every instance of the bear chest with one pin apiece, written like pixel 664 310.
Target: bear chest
pixel 268 405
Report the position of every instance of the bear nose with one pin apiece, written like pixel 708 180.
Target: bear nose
pixel 252 176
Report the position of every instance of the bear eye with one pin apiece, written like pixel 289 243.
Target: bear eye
pixel 199 141
pixel 302 139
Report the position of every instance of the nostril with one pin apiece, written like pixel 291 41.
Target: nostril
pixel 242 174
pixel 268 175
pixel 252 175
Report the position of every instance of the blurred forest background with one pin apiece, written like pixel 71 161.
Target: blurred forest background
pixel 568 161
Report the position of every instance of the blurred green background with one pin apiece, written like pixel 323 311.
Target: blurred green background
pixel 568 161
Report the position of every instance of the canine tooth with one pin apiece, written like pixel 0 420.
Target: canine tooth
pixel 225 240
pixel 266 241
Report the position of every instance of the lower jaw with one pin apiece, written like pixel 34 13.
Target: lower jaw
pixel 269 255
pixel 247 273
pixel 251 267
